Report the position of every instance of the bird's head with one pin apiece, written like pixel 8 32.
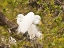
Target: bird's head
pixel 37 19
pixel 20 16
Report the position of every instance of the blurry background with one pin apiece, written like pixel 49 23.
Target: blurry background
pixel 52 18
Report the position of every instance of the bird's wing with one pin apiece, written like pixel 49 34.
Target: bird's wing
pixel 31 31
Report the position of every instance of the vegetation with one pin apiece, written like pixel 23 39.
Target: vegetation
pixel 52 17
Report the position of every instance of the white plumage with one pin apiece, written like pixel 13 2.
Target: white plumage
pixel 19 18
pixel 33 32
pixel 19 21
pixel 28 23
pixel 37 19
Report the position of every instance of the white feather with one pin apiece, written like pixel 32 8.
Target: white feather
pixel 19 18
pixel 37 19
pixel 33 32
pixel 26 22
pixel 19 21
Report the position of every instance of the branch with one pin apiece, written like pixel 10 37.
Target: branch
pixel 5 21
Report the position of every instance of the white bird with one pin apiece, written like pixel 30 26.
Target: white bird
pixel 28 23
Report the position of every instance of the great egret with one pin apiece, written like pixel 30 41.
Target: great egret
pixel 28 23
